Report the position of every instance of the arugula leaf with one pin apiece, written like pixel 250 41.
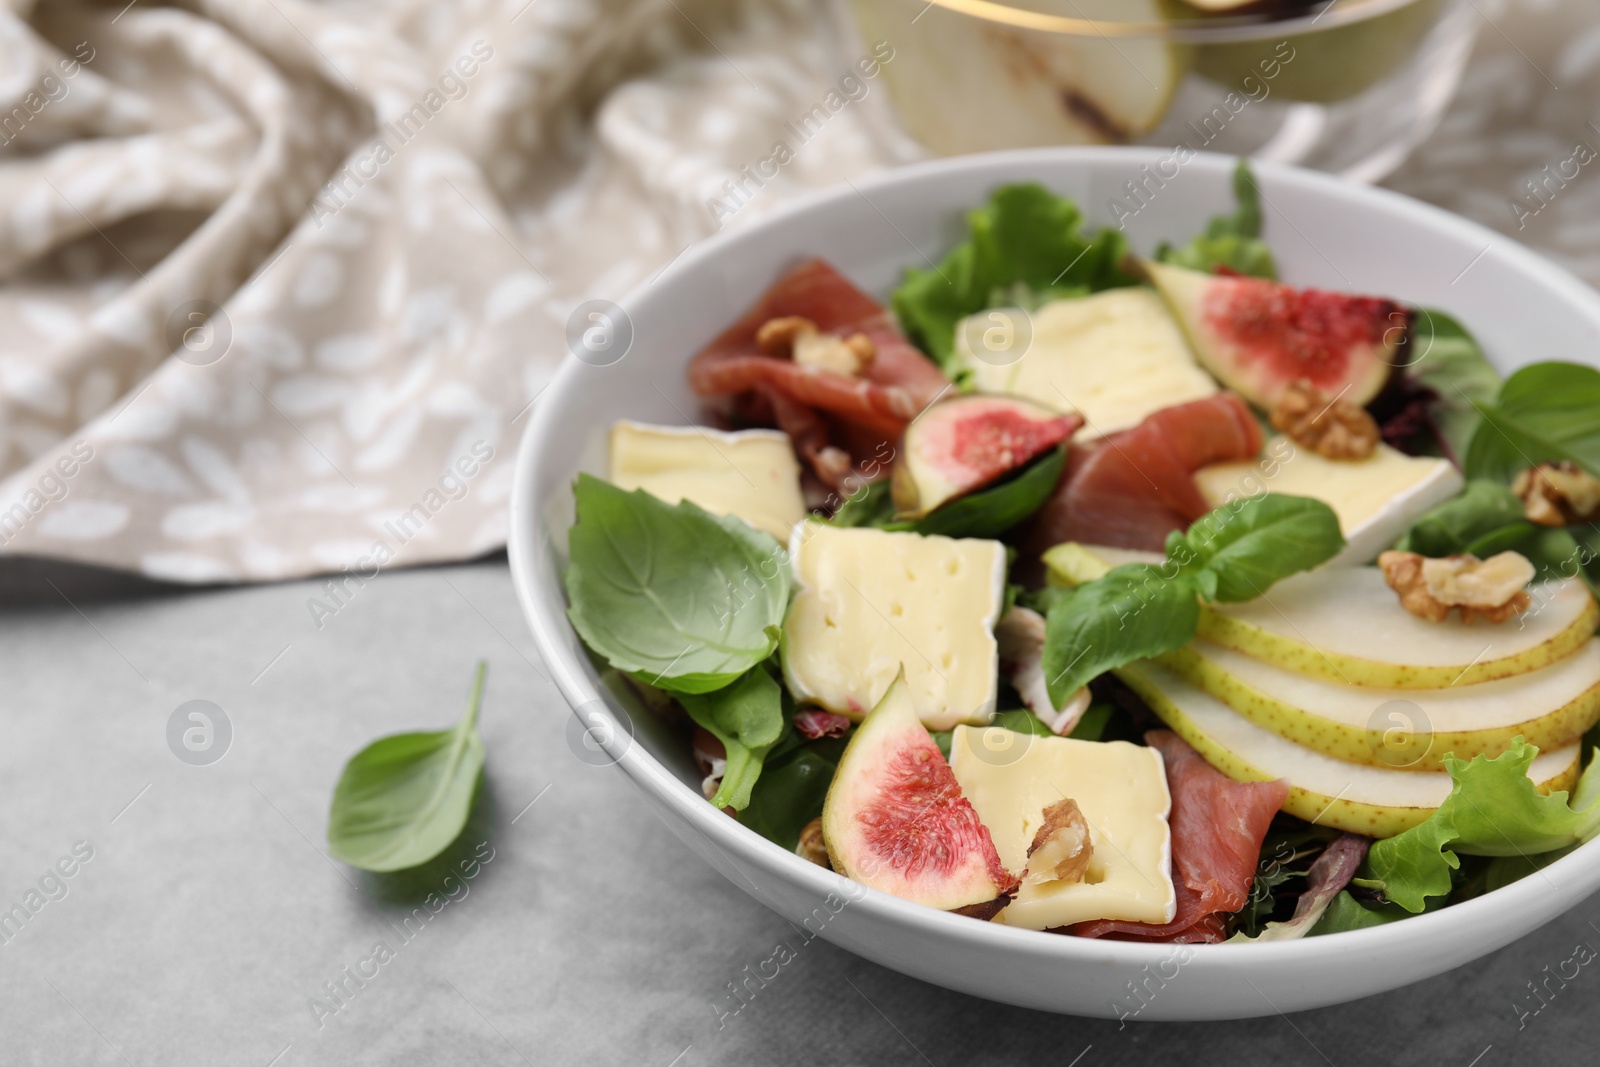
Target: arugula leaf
pixel 991 512
pixel 1132 613
pixel 790 790
pixel 1449 361
pixel 1231 241
pixel 747 717
pixel 1241 549
pixel 404 798
pixel 1022 721
pixel 678 597
pixel 1494 809
pixel 1024 246
pixel 1545 412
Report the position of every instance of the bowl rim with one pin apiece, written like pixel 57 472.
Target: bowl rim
pixel 1203 29
pixel 1579 870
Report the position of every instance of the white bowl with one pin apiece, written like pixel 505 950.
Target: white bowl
pixel 1324 233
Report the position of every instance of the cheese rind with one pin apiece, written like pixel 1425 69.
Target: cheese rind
pixel 1120 788
pixel 1114 357
pixel 1377 499
pixel 749 474
pixel 869 601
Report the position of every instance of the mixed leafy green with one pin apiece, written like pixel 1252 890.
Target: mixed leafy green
pixel 1543 413
pixel 1024 247
pixel 1232 242
pixel 1488 518
pixel 1140 610
pixel 1494 809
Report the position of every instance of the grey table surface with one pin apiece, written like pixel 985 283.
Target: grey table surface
pixel 209 918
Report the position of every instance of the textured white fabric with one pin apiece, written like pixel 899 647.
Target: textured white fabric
pixel 398 205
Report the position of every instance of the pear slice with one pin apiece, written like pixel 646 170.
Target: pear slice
pixel 1344 624
pixel 1402 728
pixel 1362 799
pixel 965 84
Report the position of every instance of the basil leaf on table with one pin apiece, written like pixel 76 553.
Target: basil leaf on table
pixel 1232 241
pixel 1026 237
pixel 1544 413
pixel 747 717
pixel 1241 549
pixel 403 799
pixel 991 512
pixel 1134 612
pixel 680 598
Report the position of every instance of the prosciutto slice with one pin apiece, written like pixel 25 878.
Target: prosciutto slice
pixel 1217 828
pixel 1133 488
pixel 898 383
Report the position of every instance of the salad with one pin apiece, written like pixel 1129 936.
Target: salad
pixel 1133 596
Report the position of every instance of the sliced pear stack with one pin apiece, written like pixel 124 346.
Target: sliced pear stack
pixel 1328 683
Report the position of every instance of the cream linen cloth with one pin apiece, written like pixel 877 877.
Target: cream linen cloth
pixel 397 208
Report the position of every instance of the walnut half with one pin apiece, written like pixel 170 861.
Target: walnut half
pixel 1330 426
pixel 811 845
pixel 1555 494
pixel 1061 848
pixel 796 337
pixel 1492 589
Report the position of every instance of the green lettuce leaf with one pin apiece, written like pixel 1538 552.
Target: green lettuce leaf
pixel 1024 247
pixel 678 597
pixel 1493 810
pixel 1232 241
pixel 747 717
pixel 1545 412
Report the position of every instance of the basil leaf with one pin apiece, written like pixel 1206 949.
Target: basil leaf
pixel 1486 519
pixel 790 791
pixel 403 799
pixel 1132 613
pixel 1231 241
pixel 1546 412
pixel 747 717
pixel 1024 236
pixel 1481 509
pixel 1241 549
pixel 1449 361
pixel 991 512
pixel 682 599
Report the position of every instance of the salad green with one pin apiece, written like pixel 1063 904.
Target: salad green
pixel 1141 610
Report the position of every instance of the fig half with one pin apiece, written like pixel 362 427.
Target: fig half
pixel 966 442
pixel 1258 336
pixel 895 819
